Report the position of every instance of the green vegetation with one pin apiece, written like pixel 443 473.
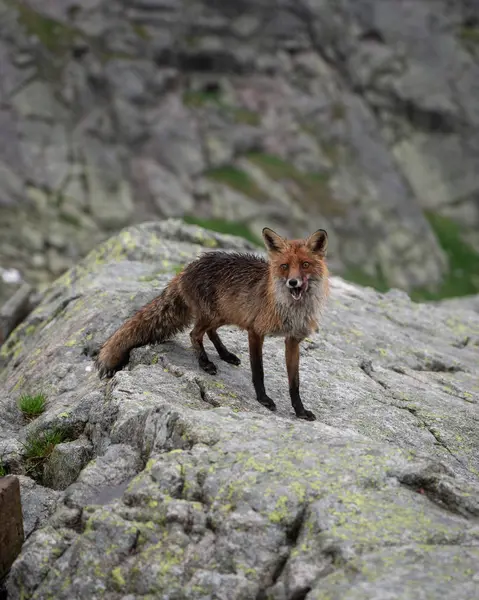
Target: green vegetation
pixel 469 34
pixel 3 470
pixel 199 98
pixel 228 227
pixel 313 187
pixel 238 180
pixel 53 35
pixel 462 279
pixel 141 31
pixel 32 406
pixel 463 276
pixel 38 448
pixel 358 276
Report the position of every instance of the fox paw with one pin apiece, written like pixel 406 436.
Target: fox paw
pixel 231 359
pixel 267 402
pixel 208 366
pixel 307 415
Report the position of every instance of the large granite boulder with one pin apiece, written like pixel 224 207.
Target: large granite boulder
pixel 166 482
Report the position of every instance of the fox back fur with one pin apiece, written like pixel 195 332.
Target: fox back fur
pixel 281 296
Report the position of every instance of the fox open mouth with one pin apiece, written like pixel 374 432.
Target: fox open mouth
pixel 297 292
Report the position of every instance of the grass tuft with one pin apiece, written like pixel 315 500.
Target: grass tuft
pixel 3 470
pixel 32 406
pixel 38 448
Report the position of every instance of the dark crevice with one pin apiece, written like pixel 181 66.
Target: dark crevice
pixel 437 366
pixel 442 492
pixel 462 343
pixel 292 535
pixel 372 35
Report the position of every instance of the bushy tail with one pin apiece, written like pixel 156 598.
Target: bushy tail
pixel 157 321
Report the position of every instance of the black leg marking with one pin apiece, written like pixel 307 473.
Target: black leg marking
pixel 223 352
pixel 292 365
pixel 256 361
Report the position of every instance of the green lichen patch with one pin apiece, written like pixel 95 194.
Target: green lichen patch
pixel 32 405
pixel 238 180
pixel 312 188
pixel 227 227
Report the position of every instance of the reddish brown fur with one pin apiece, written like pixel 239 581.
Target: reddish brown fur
pixel 244 290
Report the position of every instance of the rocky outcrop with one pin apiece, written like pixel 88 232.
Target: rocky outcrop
pixel 166 481
pixel 358 115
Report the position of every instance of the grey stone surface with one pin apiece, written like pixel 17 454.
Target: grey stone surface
pixel 119 115
pixel 194 490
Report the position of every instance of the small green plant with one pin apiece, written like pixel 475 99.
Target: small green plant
pixel 228 227
pixel 32 406
pixel 3 470
pixel 237 179
pixel 38 447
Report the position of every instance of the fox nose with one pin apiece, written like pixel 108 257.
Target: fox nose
pixel 292 283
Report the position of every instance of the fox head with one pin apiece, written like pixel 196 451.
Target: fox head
pixel 297 264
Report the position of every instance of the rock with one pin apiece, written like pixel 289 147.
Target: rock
pixel 66 462
pixel 194 490
pixel 162 188
pixel 11 532
pixel 120 115
pixel 15 310
pixel 38 503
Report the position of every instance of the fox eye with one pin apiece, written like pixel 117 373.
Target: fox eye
pixel 284 267
pixel 305 265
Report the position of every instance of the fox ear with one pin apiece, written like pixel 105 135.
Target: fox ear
pixel 273 241
pixel 318 242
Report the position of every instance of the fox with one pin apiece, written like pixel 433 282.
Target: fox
pixel 282 294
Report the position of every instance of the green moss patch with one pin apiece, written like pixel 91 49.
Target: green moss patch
pixel 238 180
pixel 222 226
pixel 313 187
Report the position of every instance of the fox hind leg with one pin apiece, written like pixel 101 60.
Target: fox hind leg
pixel 196 336
pixel 223 352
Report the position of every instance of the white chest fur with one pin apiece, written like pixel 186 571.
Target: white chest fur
pixel 298 316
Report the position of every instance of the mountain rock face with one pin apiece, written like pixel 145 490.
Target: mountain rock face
pixel 166 482
pixel 355 115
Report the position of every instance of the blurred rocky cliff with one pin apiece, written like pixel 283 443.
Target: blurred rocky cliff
pixel 359 116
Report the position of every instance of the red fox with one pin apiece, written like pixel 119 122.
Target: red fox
pixel 281 296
